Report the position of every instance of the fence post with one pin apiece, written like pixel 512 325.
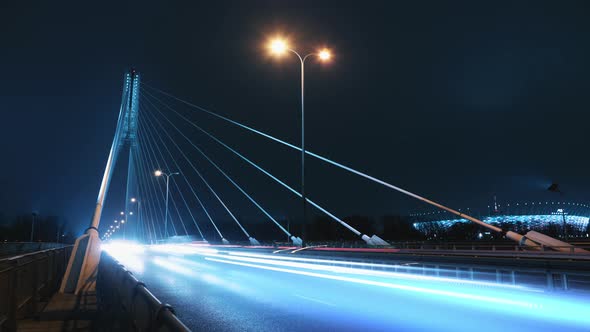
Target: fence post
pixel 550 284
pixel 13 306
pixel 35 284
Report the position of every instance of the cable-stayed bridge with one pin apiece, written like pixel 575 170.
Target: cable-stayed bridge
pixel 170 196
pixel 157 138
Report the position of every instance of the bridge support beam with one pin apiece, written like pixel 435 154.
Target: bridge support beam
pixel 377 241
pixel 297 241
pixel 80 274
pixel 83 265
pixel 374 240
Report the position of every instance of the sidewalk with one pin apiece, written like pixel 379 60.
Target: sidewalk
pixel 64 312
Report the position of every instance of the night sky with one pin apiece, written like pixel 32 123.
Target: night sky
pixel 455 100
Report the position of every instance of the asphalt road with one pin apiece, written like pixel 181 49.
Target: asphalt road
pixel 236 291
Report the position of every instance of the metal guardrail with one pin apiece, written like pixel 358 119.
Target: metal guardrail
pixel 28 279
pixel 430 245
pixel 493 246
pixel 564 272
pixel 129 303
pixel 8 249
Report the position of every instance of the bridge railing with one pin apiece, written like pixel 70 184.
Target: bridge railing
pixel 9 249
pixel 549 270
pixel 454 246
pixel 129 303
pixel 492 246
pixel 27 279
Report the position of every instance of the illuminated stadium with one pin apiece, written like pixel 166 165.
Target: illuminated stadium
pixel 520 217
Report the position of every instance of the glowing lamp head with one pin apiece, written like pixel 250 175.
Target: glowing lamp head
pixel 158 173
pixel 278 46
pixel 122 213
pixel 122 221
pixel 133 200
pixel 325 55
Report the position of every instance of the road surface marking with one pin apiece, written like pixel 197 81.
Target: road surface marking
pixel 314 300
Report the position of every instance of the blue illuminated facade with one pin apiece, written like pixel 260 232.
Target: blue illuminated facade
pixel 516 216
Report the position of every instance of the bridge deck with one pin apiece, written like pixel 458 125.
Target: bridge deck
pixel 246 289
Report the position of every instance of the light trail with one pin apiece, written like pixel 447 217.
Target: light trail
pixel 384 284
pixel 354 287
pixel 328 265
pixel 514 302
pixel 179 249
pixel 127 253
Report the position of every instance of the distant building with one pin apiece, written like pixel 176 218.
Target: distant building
pixel 518 216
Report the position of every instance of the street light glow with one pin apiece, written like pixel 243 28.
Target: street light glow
pixel 122 213
pixel 278 46
pixel 158 173
pixel 122 221
pixel 325 54
pixel 133 200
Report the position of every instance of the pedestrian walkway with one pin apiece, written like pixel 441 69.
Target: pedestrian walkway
pixel 64 312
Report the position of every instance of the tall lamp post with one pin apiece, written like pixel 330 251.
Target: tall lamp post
pixel 34 214
pixel 554 187
pixel 138 218
pixel 124 216
pixel 279 47
pixel 167 175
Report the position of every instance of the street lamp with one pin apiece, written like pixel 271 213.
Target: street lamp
pixel 279 47
pixel 554 187
pixel 138 219
pixel 122 213
pixel 33 215
pixel 159 173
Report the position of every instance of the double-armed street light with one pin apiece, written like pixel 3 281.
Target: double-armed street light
pixel 138 219
pixel 279 47
pixel 159 173
pixel 124 215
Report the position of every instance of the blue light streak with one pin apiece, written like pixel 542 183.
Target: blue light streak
pixel 345 286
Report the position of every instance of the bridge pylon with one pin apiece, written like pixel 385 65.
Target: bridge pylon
pixel 82 267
